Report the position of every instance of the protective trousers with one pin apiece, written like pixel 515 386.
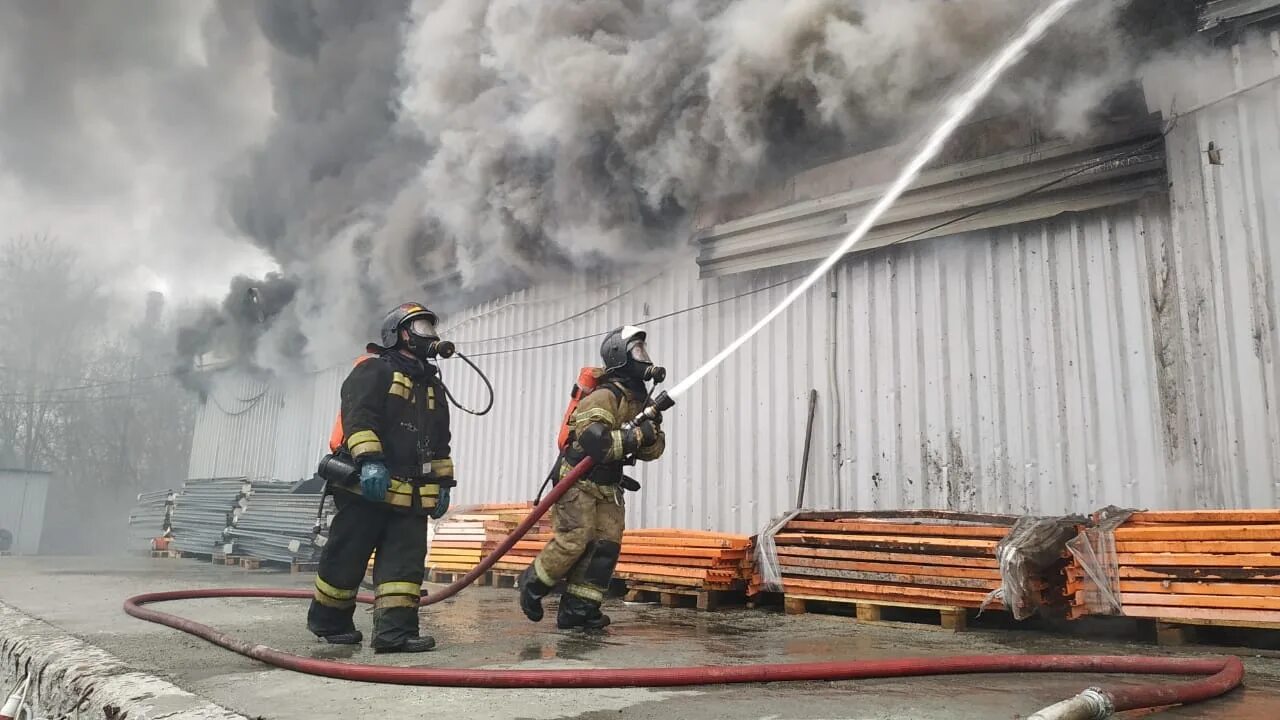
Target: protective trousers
pixel 400 538
pixel 588 521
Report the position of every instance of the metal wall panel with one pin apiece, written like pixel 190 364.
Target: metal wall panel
pixel 22 508
pixel 235 433
pixel 1224 166
pixel 1006 370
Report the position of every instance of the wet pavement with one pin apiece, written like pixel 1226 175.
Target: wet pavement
pixel 483 628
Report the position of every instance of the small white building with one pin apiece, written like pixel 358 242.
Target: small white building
pixel 22 504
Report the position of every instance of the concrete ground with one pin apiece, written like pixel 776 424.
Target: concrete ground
pixel 483 628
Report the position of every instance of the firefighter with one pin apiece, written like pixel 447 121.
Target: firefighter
pixel 394 427
pixel 589 519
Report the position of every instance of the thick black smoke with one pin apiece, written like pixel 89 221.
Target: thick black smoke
pixel 480 144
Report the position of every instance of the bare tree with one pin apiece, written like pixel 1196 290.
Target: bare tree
pixel 85 394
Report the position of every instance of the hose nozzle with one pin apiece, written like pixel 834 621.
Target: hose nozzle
pixel 441 349
pixel 661 403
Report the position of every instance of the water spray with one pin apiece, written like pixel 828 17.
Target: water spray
pixel 960 107
pixel 1219 675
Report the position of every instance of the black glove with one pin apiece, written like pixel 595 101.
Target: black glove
pixel 647 432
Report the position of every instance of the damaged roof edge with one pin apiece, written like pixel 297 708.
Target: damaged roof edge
pixel 1106 170
pixel 1221 17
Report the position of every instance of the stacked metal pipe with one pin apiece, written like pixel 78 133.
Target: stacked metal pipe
pixel 149 519
pixel 278 523
pixel 204 510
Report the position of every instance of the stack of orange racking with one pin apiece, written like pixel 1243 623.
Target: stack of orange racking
pixel 465 537
pixel 914 559
pixel 1196 566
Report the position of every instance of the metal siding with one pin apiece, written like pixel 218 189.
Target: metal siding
pixel 1006 370
pixel 1227 225
pixel 22 508
pixel 235 434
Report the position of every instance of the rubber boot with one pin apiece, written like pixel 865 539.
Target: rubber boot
pixel 576 612
pixel 532 591
pixel 412 645
pixel 354 637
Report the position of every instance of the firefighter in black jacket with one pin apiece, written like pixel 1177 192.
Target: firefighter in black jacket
pixel 394 425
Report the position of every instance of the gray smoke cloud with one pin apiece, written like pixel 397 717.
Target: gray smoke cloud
pixel 117 124
pixel 375 149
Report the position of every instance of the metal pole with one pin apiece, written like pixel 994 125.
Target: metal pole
pixel 808 441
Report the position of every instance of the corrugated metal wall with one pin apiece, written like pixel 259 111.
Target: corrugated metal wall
pixel 1226 214
pixel 236 432
pixel 1004 371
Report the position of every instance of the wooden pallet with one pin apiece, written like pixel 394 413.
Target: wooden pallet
pixel 166 554
pixel 224 559
pixel 448 578
pixel 671 596
pixel 1176 631
pixel 504 578
pixel 250 563
pixel 296 568
pixel 950 617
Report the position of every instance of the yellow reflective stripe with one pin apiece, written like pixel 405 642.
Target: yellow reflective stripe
pixel 401 379
pixel 363 443
pixel 394 601
pixel 330 602
pixel 443 468
pixel 542 574
pixel 586 417
pixel 431 397
pixel 331 596
pixel 585 591
pixel 362 437
pixel 399 390
pixel 336 593
pixel 364 448
pixel 400 494
pixel 398 588
pixel 615 446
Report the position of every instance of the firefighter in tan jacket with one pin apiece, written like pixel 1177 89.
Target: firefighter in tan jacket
pixel 590 517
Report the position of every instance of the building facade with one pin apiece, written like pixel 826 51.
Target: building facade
pixel 1107 339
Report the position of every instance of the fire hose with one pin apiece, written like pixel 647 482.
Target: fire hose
pixel 1219 674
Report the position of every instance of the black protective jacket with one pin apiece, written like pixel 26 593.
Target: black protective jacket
pixel 394 410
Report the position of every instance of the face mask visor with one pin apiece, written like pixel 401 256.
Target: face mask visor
pixel 422 327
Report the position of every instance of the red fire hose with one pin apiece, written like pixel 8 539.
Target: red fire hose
pixel 1221 674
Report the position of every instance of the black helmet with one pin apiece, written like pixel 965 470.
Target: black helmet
pixel 404 315
pixel 624 352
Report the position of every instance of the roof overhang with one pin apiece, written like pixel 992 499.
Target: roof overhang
pixel 1104 171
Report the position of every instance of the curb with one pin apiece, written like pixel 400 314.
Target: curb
pixel 68 673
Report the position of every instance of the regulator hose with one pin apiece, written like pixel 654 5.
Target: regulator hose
pixel 483 377
pixel 1221 674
